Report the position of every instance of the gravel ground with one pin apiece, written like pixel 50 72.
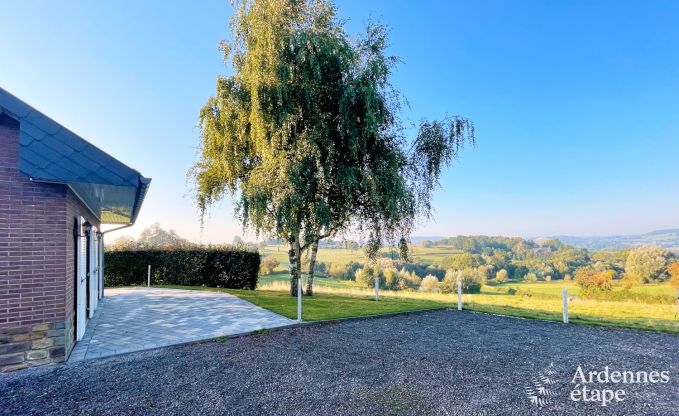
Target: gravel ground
pixel 443 362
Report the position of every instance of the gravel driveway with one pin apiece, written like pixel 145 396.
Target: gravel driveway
pixel 442 362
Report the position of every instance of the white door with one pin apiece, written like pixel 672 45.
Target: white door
pixel 81 280
pixel 93 272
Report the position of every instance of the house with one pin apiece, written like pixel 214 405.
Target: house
pixel 56 192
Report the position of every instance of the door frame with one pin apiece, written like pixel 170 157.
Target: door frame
pixel 80 280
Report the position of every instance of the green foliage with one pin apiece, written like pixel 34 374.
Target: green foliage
pixel 449 284
pixel 531 277
pixel 501 276
pixel 647 264
pixel 673 270
pixel 462 261
pixel 471 281
pixel 366 275
pixel 343 271
pixel 593 282
pixel 391 278
pixel 215 267
pixel 430 284
pixel 306 131
pixel 268 265
pixel 153 237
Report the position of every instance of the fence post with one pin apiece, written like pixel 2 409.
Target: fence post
pixel 459 295
pixel 299 298
pixel 148 281
pixel 564 295
pixel 377 289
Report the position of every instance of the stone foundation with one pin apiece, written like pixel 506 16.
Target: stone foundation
pixel 38 344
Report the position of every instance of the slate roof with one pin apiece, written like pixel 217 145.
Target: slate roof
pixel 50 152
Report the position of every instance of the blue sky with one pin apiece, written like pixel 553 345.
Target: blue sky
pixel 575 102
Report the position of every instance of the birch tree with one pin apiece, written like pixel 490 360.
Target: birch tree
pixel 305 134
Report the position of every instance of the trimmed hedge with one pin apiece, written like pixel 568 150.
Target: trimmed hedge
pixel 233 268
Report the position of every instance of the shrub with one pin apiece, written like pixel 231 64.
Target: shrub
pixel 673 270
pixel 501 276
pixel 471 281
pixel 342 271
pixel 430 284
pixel 531 277
pixel 408 280
pixel 366 276
pixel 511 291
pixel 229 267
pixel 593 282
pixel 449 284
pixel 268 265
pixel 391 278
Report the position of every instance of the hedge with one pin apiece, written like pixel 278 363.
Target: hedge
pixel 233 268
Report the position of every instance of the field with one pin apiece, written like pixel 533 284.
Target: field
pixel 538 300
pixel 342 255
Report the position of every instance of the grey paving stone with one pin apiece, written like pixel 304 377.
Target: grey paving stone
pixel 134 319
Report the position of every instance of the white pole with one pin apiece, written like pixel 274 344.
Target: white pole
pixel 148 282
pixel 459 295
pixel 299 299
pixel 564 295
pixel 377 289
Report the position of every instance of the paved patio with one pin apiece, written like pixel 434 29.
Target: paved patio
pixel 135 319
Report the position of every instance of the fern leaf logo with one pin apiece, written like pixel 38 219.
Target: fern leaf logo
pixel 538 392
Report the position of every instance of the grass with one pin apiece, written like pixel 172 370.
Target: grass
pixel 350 301
pixel 325 306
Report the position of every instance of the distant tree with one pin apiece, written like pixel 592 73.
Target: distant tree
pixel 123 242
pixel 647 264
pixel 501 276
pixel 237 240
pixel 157 237
pixel 426 243
pixel 268 265
pixel 262 245
pixel 430 284
pixel 531 277
pixel 403 250
pixel 462 261
pixel 351 245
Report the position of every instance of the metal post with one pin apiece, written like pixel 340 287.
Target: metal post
pixel 377 289
pixel 459 295
pixel 564 295
pixel 299 299
pixel 148 282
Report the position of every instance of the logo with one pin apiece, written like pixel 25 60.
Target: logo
pixel 599 386
pixel 540 391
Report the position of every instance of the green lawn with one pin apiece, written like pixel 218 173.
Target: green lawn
pixel 323 306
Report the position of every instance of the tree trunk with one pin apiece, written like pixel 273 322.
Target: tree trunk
pixel 294 261
pixel 312 265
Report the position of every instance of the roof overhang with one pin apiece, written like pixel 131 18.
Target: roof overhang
pixel 49 152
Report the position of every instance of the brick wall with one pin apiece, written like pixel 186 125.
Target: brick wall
pixel 37 258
